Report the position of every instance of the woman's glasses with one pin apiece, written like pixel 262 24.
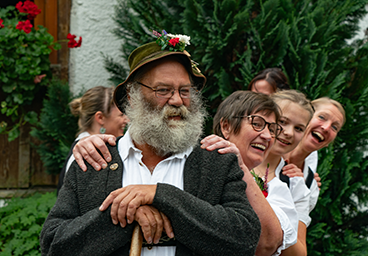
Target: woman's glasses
pixel 258 123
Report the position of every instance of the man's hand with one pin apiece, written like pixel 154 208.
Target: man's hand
pixel 213 142
pixel 152 223
pixel 125 202
pixel 292 170
pixel 86 149
pixel 318 179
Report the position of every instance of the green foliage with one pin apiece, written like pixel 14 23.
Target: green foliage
pixel 234 39
pixel 21 222
pixel 23 56
pixel 57 127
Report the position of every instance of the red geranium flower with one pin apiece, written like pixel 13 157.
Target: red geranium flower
pixel 1 23
pixel 72 42
pixel 70 36
pixel 28 7
pixel 26 26
pixel 174 41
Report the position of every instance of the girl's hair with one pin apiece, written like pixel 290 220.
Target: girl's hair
pixel 325 100
pixel 242 103
pixel 274 76
pixel 96 99
pixel 295 97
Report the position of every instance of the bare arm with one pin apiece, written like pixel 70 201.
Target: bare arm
pixel 87 148
pixel 300 248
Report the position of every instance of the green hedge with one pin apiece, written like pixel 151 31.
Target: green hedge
pixel 21 222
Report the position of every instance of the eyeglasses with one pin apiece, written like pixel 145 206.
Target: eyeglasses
pixel 167 91
pixel 258 123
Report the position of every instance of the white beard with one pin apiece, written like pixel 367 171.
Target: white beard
pixel 151 124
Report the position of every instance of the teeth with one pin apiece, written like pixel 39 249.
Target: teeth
pixel 284 141
pixel 260 146
pixel 320 136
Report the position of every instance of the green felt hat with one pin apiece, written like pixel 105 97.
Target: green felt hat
pixel 151 52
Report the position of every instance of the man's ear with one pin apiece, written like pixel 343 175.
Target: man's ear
pixel 99 118
pixel 225 128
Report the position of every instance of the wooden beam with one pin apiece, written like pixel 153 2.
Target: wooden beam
pixel 51 23
pixel 64 7
pixel 24 157
pixel 40 18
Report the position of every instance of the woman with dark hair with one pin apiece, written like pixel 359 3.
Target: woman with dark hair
pixel 269 81
pixel 240 127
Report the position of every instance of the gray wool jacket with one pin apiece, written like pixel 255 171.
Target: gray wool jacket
pixel 212 216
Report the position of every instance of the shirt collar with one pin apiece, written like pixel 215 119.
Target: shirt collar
pixel 126 146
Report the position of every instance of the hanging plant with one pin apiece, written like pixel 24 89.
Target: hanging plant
pixel 24 61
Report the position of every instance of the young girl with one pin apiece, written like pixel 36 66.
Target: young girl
pixel 296 114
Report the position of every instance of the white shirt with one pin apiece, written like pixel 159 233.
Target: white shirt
pixel 71 158
pixel 300 194
pixel 311 161
pixel 281 201
pixel 169 170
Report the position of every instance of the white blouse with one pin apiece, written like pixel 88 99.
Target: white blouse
pixel 312 162
pixel 280 199
pixel 300 194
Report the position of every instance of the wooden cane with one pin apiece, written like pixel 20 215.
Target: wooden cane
pixel 137 240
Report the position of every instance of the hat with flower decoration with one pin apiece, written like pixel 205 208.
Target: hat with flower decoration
pixel 165 45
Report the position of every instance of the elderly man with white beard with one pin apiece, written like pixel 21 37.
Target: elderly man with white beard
pixel 188 201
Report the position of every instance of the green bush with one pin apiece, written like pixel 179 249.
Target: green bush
pixel 57 127
pixel 21 222
pixel 23 56
pixel 234 39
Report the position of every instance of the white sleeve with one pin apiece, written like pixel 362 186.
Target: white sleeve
pixel 312 162
pixel 71 158
pixel 301 198
pixel 280 199
pixel 314 193
pixel 69 163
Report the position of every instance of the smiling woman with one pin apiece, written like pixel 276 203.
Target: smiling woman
pixel 247 123
pixel 328 119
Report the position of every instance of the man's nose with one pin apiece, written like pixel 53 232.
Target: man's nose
pixel 175 99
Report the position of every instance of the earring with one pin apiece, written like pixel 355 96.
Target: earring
pixel 102 130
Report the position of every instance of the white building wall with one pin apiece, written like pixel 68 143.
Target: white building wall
pixel 92 19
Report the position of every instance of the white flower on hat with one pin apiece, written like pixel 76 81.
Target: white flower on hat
pixel 182 38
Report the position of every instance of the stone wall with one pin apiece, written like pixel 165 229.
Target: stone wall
pixel 92 19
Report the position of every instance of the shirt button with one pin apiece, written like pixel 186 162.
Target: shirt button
pixel 140 163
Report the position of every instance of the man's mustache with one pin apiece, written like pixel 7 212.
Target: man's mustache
pixel 169 111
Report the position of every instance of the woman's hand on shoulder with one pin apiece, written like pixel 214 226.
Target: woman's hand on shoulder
pixel 292 170
pixel 318 180
pixel 213 142
pixel 86 149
